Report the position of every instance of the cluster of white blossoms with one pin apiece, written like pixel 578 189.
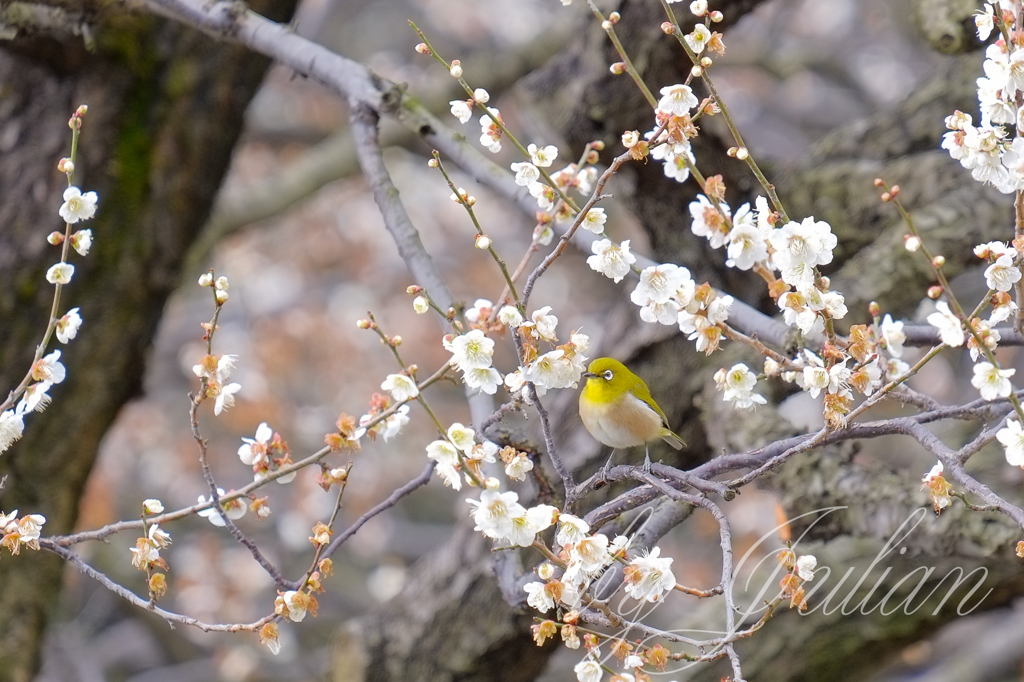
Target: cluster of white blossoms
pixel 737 385
pixel 472 355
pixel 558 368
pixel 15 532
pixel 499 516
pixel 460 452
pixel 45 372
pixel 647 577
pixel 986 149
pixel 216 370
pixel 146 552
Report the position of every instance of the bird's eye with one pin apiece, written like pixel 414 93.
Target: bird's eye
pixel 607 375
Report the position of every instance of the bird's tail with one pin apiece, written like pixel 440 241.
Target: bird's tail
pixel 672 439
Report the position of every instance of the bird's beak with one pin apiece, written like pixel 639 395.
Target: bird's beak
pixel 590 375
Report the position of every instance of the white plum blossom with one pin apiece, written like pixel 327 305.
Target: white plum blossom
pixel 517 467
pixel 588 670
pixel 542 156
pixel 481 311
pixel 494 511
pixel 35 398
pixel 649 577
pixel 737 384
pixel 486 379
pixel 253 451
pixel 709 221
pixel 666 313
pixel 49 368
pixel 1002 274
pixel 1012 438
pixel 698 39
pixel 595 220
pixel 401 387
pixel 77 206
pixel 539 597
pixel 510 317
pixel 462 437
pixel 543 324
pixel 472 350
pixel 11 427
pixel 611 260
pixel 950 330
pixel 462 110
pixel 526 173
pixel 60 273
pixel 81 242
pixel 991 381
pixel 677 100
pixel 984 21
pixel 490 133
pixel 748 240
pixel 659 283
pixel 67 327
pixel 893 336
pixel 526 525
pixel 235 509
pixel 805 566
pixel 571 530
pixel 226 398
pixel 800 247
pixel 447 458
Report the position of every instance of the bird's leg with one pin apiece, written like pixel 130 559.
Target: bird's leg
pixel 603 471
pixel 647 458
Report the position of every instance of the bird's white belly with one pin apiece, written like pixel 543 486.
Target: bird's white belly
pixel 622 424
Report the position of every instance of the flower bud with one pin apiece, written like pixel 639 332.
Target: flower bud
pixel 706 61
pixel 697 71
pixel 422 48
pixel 614 17
pixel 482 241
pixel 55 238
pixel 545 571
pixel 911 243
pixel 874 309
pixel 481 95
pixel 668 28
pixel 396 341
pixel 934 291
pixel 717 16
pixel 420 305
pixel 221 297
pixel 607 25
pixel 618 68
pixel 742 154
pixel 363 324
pixel 206 279
pixel 456 69
pixel 597 144
pixel 414 289
pixel 221 283
pixel 432 163
pixel 82 110
pixel 66 166
pixel 879 182
pixel 938 261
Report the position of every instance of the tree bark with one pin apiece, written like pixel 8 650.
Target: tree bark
pixel 165 110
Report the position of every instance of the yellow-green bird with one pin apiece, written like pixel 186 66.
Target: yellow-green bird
pixel 617 408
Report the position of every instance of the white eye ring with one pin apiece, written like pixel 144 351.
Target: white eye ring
pixel 607 375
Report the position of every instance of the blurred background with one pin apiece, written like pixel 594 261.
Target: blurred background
pixel 303 245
